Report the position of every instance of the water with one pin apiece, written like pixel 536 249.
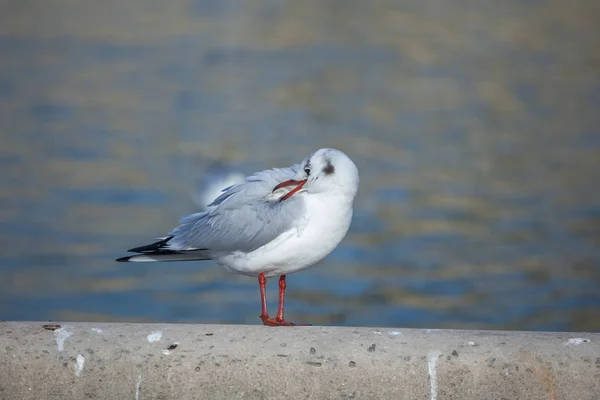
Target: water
pixel 474 126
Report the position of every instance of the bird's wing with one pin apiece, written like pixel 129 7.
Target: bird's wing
pixel 243 218
pixel 258 186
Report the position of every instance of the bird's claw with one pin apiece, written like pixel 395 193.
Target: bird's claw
pixel 268 321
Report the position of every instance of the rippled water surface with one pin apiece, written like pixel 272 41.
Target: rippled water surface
pixel 475 126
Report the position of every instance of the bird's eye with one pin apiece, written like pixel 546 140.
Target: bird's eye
pixel 307 170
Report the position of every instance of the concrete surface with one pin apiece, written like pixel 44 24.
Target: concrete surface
pixel 164 361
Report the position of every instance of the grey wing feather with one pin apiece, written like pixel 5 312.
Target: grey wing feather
pixel 257 186
pixel 243 218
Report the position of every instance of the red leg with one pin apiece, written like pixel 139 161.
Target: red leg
pixel 282 286
pixel 262 282
pixel 264 316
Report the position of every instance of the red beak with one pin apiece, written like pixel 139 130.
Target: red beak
pixel 290 183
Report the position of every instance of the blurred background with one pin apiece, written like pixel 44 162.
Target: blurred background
pixel 475 126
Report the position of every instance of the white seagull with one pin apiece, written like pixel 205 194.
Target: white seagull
pixel 276 222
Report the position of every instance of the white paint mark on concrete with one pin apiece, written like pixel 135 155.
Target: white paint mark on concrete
pixel 577 341
pixel 394 333
pixel 79 364
pixel 472 344
pixel 97 330
pixel 61 334
pixel 137 388
pixel 431 363
pixel 155 336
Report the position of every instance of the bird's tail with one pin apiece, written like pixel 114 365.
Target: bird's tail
pixel 156 251
pixel 163 256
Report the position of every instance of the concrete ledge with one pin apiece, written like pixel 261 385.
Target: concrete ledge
pixel 164 361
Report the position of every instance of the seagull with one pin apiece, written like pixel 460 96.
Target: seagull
pixel 277 222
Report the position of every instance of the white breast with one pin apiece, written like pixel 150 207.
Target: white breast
pixel 323 227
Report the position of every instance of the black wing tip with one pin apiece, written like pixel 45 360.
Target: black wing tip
pixel 123 259
pixel 152 247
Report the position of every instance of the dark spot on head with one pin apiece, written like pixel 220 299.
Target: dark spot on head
pixel 329 168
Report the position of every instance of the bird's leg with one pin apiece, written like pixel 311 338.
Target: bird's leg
pixel 262 282
pixel 282 286
pixel 279 317
pixel 264 316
